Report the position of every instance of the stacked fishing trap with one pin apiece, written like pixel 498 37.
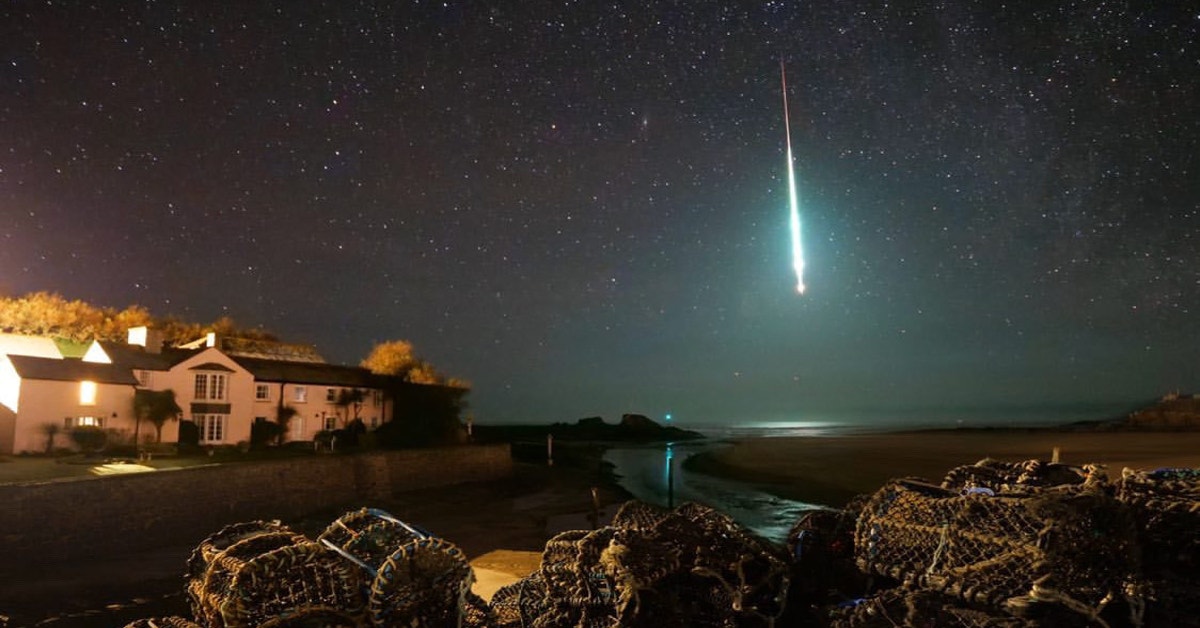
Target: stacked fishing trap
pixel 994 545
pixel 1166 507
pixel 691 566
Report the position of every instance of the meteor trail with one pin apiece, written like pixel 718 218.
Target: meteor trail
pixel 797 246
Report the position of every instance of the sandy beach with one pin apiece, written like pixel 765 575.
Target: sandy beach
pixel 831 470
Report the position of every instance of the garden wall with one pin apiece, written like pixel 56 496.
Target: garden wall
pixel 106 516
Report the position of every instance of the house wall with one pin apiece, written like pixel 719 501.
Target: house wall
pixel 239 394
pixel 47 401
pixel 51 522
pixel 313 412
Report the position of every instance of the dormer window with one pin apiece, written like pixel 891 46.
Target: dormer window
pixel 87 393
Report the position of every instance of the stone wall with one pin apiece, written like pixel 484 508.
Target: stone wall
pixel 51 522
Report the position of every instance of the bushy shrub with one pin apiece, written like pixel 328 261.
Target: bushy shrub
pixel 263 433
pixel 189 437
pixel 89 438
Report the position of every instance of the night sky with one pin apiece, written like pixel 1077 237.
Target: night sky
pixel 581 207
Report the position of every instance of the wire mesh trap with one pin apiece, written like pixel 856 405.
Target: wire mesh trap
pixel 1166 507
pixel 997 476
pixel 691 566
pixel 416 579
pixel 1020 552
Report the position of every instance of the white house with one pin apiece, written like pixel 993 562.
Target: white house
pixel 223 385
pixel 36 392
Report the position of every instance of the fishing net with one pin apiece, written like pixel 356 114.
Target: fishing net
pixel 903 607
pixel 162 622
pixel 415 579
pixel 258 584
pixel 1021 552
pixel 997 476
pixel 820 547
pixel 691 566
pixel 1166 507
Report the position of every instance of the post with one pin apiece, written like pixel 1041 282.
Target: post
pixel 670 476
pixel 550 450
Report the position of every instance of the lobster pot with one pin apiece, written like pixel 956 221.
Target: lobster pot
pixel 206 552
pixel 414 578
pixel 903 607
pixel 998 476
pixel 1070 547
pixel 820 550
pixel 1166 507
pixel 696 567
pixel 162 622
pixel 521 603
pixel 579 590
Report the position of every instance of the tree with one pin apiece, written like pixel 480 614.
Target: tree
pixel 283 416
pixel 396 358
pixel 50 429
pixel 348 399
pixel 155 406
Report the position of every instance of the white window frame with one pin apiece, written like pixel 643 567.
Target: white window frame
pixel 212 427
pixel 262 392
pixel 330 422
pixel 210 387
pixel 300 394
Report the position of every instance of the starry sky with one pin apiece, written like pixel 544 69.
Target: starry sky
pixel 581 207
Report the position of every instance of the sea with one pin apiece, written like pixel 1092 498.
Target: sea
pixel 657 473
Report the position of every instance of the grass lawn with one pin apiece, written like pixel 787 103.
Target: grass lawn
pixel 42 468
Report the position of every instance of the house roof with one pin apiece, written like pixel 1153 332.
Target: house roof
pixel 71 370
pixel 307 373
pixel 135 357
pixel 17 344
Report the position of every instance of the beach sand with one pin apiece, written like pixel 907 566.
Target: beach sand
pixel 830 470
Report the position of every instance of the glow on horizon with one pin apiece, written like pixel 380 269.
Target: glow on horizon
pixel 793 197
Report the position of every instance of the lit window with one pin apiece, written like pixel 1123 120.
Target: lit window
pixel 300 394
pixel 331 395
pixel 331 423
pixel 87 393
pixel 262 392
pixel 88 421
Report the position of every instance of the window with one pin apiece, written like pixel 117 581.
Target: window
pixel 300 394
pixel 212 427
pixel 331 395
pixel 87 393
pixel 262 392
pixel 210 386
pixel 83 421
pixel 331 422
pixel 143 378
pixel 377 397
pixel 374 422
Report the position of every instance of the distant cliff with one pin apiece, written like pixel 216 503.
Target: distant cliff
pixel 631 428
pixel 1172 412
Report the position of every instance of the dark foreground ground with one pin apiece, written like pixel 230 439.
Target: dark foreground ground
pixel 520 513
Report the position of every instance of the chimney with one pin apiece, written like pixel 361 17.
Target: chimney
pixel 149 339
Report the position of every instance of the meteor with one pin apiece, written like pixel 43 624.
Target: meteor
pixel 793 198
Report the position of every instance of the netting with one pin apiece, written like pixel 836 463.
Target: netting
pixel 903 607
pixel 416 579
pixel 996 476
pixel 1066 547
pixel 820 548
pixel 162 622
pixel 691 566
pixel 1166 507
